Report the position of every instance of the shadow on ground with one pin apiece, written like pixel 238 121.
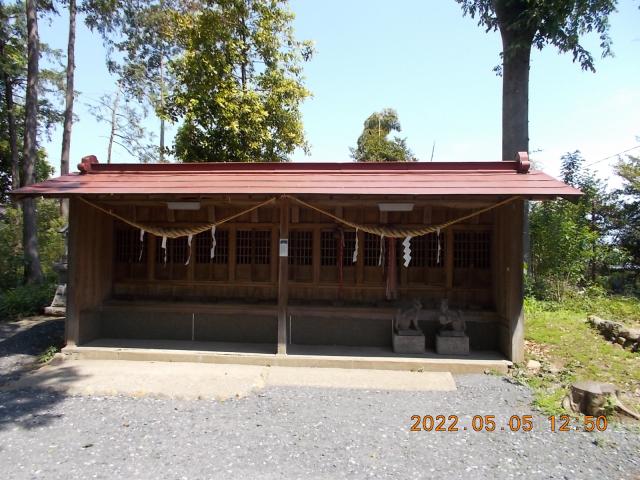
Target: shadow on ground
pixel 27 407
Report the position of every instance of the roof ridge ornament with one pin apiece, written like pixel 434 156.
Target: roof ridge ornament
pixel 85 164
pixel 523 162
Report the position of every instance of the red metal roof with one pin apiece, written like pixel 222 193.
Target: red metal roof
pixel 415 178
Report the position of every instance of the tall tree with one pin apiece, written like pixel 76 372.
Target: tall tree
pixel 239 83
pixel 125 127
pixel 524 24
pixel 140 39
pixel 13 75
pixel 33 270
pixel 11 64
pixel 69 96
pixel 374 144
pixel 69 93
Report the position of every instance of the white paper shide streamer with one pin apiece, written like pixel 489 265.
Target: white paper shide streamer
pixel 406 245
pixel 164 247
pixel 355 249
pixel 213 242
pixel 141 245
pixel 439 248
pixel 381 257
pixel 189 239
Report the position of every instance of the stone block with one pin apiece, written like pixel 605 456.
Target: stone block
pixel 414 343
pixel 447 345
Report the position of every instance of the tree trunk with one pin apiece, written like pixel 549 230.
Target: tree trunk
pixel 11 127
pixel 68 111
pixel 515 98
pixel 32 271
pixel 516 55
pixel 161 155
pixel 114 119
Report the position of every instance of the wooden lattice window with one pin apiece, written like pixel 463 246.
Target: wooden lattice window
pixel 424 251
pixel 472 250
pixel 128 246
pixel 203 247
pixel 328 249
pixel 371 250
pixel 300 247
pixel 243 247
pixel 253 246
pixel 177 250
pixel 261 247
pixel 349 246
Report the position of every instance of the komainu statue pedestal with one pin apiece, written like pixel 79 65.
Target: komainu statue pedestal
pixel 407 336
pixel 451 339
pixel 408 341
pixel 452 345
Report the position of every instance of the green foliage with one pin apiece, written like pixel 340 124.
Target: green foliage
pixel 571 243
pixel 629 218
pixel 140 37
pixel 51 243
pixel 13 71
pixel 25 300
pixel 561 24
pixel 374 144
pixel 48 354
pixel 239 83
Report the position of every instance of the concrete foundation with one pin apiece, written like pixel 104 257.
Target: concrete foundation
pixel 299 356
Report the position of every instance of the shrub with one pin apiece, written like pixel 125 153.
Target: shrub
pixel 25 300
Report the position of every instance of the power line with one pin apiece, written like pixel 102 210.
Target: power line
pixel 589 164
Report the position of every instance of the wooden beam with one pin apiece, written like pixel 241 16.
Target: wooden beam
pixel 283 278
pixel 295 214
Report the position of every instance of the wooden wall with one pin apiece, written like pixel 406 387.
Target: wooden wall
pixel 508 278
pixel 363 283
pixel 90 269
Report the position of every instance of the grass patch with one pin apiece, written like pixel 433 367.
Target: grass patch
pixel 570 350
pixel 616 307
pixel 48 354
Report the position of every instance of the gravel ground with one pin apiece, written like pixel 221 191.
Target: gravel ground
pixel 300 432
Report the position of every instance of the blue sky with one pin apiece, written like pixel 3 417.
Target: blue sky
pixel 433 66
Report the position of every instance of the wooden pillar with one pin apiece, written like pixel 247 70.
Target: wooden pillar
pixel 72 322
pixel 283 277
pixel 513 229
